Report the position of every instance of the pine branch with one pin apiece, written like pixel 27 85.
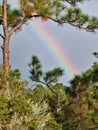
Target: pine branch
pixel 18 26
pixel 74 23
pixel 48 87
pixel 89 25
pixel 73 2
pixel 2 36
pixel 85 26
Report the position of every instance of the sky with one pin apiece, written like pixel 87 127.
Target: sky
pixel 56 46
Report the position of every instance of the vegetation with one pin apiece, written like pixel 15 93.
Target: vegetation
pixel 49 105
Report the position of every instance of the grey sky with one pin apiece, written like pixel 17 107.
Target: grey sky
pixel 79 44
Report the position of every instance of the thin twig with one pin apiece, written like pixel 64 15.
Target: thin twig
pixel 2 36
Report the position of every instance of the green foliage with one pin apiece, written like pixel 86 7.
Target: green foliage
pixel 58 11
pixel 95 54
pixel 73 107
pixel 38 108
pixel 14 15
pixel 84 91
pixel 38 75
pixel 35 67
pixel 55 10
pixel 21 108
pixel 3 79
pixel 4 112
pixel 52 76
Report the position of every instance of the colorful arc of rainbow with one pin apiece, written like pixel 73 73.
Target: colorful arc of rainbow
pixel 53 44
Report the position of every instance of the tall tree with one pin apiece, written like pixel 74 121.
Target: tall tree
pixel 58 11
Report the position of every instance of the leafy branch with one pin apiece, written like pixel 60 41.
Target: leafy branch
pixel 47 78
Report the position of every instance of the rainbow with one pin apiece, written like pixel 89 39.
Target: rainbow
pixel 53 44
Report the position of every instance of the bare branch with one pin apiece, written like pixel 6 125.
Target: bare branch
pixel 2 36
pixel 2 47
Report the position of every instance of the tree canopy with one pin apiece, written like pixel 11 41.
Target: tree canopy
pixel 56 10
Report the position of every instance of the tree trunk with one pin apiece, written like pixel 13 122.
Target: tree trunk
pixel 58 103
pixel 5 51
pixel 5 47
